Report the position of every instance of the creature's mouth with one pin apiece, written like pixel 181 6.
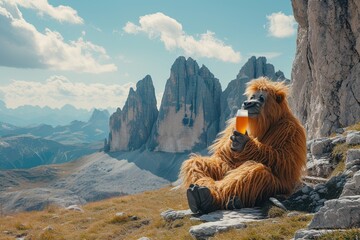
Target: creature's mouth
pixel 253 110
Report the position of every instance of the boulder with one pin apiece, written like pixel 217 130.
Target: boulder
pixel 209 229
pixel 171 215
pixel 217 221
pixel 353 138
pixel 224 220
pixel 339 213
pixel 352 162
pixel 352 186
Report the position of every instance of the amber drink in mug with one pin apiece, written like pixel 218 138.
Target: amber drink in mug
pixel 241 120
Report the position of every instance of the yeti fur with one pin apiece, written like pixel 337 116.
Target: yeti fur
pixel 271 163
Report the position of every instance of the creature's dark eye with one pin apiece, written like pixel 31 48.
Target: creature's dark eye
pixel 261 98
pixel 252 97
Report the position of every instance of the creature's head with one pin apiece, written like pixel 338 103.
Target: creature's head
pixel 266 104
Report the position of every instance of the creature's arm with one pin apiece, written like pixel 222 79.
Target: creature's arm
pixel 222 145
pixel 287 145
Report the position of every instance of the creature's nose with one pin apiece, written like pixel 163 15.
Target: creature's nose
pixel 249 104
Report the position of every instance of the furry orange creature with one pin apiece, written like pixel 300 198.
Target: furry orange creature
pixel 245 170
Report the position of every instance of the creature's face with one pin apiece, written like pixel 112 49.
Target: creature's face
pixel 255 103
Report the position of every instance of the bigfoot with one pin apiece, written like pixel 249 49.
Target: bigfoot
pixel 246 169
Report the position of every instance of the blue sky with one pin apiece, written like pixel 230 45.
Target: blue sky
pixel 88 53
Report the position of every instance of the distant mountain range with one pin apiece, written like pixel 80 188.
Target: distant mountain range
pixel 28 152
pixel 77 132
pixel 34 115
pixel 27 147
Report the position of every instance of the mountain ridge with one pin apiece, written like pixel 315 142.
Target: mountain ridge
pixel 193 109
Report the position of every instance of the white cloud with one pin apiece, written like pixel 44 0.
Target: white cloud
pixel 281 25
pixel 60 13
pixel 171 33
pixel 23 46
pixel 58 91
pixel 268 55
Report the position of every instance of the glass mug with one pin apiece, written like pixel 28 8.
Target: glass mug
pixel 241 120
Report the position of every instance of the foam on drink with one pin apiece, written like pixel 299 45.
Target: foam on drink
pixel 241 120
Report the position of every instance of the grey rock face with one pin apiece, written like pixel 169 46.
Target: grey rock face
pixel 320 162
pixel 232 98
pixel 352 162
pixel 326 69
pixel 352 186
pixel 130 127
pixel 338 213
pixel 190 109
pixel 353 138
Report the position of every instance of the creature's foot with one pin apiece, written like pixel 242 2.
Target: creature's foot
pixel 234 203
pixel 200 199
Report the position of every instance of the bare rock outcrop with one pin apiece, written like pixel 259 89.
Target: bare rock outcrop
pixel 190 109
pixel 326 69
pixel 130 127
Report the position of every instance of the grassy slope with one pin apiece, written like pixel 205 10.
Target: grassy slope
pixel 99 221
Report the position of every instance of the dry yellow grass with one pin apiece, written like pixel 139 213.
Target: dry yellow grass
pixel 141 218
pixel 274 229
pixel 99 221
pixel 356 127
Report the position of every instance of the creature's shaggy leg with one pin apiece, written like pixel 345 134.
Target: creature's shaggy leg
pixel 250 183
pixel 203 171
pixel 199 174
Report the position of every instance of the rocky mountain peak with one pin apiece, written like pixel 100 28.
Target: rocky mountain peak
pixel 257 67
pixel 131 126
pixel 205 72
pixel 99 115
pixel 188 116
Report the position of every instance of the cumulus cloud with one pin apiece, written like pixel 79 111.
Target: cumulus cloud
pixel 23 46
pixel 280 25
pixel 171 33
pixel 60 13
pixel 58 91
pixel 268 55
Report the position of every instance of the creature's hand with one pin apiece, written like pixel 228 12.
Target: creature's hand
pixel 239 141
